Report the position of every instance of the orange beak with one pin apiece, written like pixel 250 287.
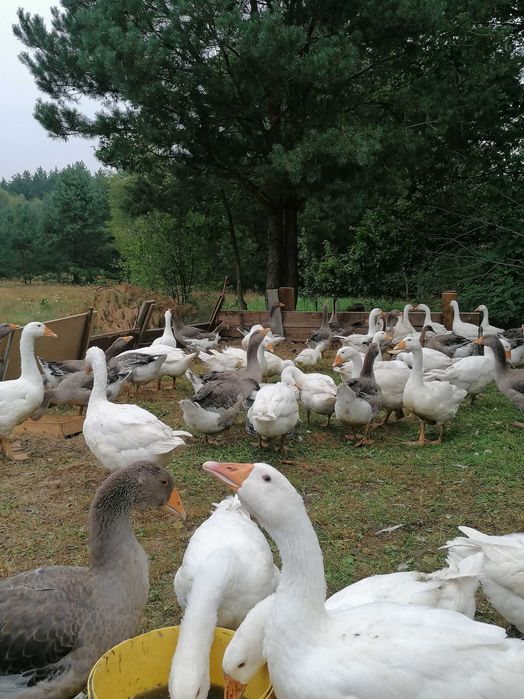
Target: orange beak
pixel 338 361
pixel 13 326
pixel 508 355
pixel 232 688
pixel 127 338
pixel 48 332
pixel 477 310
pixel 270 347
pixel 233 474
pixel 479 340
pixel 265 331
pixel 175 504
pixel 401 345
pixel 388 338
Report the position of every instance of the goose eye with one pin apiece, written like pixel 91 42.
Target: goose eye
pixel 266 477
pixel 241 665
pixel 164 481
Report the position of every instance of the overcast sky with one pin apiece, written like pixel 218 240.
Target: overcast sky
pixel 24 144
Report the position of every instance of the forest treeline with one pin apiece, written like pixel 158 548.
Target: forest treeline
pixel 355 148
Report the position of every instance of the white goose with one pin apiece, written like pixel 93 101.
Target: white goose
pixel 174 365
pixel 436 402
pixel 467 330
pixel 167 338
pixel 472 374
pixel 235 358
pixel 404 328
pixel 437 327
pixel 318 392
pixel 502 570
pixel 450 588
pixel 375 650
pixel 310 356
pixel 391 377
pixel 20 397
pixel 487 329
pixel 274 412
pixel 120 434
pixel 360 342
pixel 227 568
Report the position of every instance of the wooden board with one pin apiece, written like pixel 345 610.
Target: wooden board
pixel 55 426
pixel 68 344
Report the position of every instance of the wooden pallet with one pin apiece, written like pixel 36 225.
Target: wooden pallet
pixel 54 426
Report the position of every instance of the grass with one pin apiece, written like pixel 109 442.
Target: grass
pixel 22 303
pixel 474 478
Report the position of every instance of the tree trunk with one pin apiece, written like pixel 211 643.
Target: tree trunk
pixel 236 255
pixel 275 232
pixel 290 244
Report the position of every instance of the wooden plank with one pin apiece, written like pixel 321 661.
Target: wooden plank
pixel 86 333
pixel 66 346
pixel 213 320
pixel 142 321
pixel 54 426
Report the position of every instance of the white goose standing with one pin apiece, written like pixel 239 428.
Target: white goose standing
pixel 376 650
pixel 21 397
pixel 120 434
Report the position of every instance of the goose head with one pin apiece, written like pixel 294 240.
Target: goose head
pixel 408 344
pixel 38 330
pixel 264 491
pixel 343 355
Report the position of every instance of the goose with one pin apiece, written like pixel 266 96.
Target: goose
pixel 175 364
pixel 473 374
pixel 467 330
pixel 391 376
pixel 274 412
pixel 234 358
pixel 509 381
pixel 324 333
pixel 167 337
pixel 21 397
pixel 76 388
pixel 434 402
pixel 433 359
pixel 209 422
pixel 450 588
pixel 358 400
pixel 385 649
pixel 318 392
pixel 502 569
pixel 360 342
pixel 312 355
pixel 227 568
pixel 437 327
pixel 185 334
pixel 515 336
pixel 221 391
pixel 447 343
pixel 57 621
pixel 206 343
pixel 487 329
pixel 334 324
pixel 273 339
pixel 55 372
pixel 403 328
pixel 143 367
pixel 120 434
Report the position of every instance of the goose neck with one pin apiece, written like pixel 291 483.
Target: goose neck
pixel 499 357
pixel 28 365
pixel 110 526
pixel 302 583
pixel 99 367
pixel 427 317
pixel 417 372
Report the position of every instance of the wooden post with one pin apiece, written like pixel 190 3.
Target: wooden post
pixel 447 313
pixel 272 296
pixel 213 320
pixel 142 321
pixel 86 333
pixel 286 294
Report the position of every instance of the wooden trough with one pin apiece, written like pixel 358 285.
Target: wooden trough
pixel 54 426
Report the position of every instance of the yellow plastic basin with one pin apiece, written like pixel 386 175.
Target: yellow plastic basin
pixel 142 664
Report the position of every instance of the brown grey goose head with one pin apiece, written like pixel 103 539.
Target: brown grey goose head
pixel 57 621
pixel 324 332
pixel 119 345
pixel 7 328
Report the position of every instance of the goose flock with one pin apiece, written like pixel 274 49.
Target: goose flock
pixel 401 634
